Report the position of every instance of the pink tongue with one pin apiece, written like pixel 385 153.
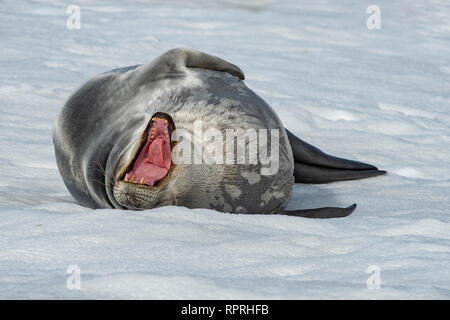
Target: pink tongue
pixel 150 173
pixel 159 153
pixel 154 163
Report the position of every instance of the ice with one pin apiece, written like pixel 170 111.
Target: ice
pixel 379 96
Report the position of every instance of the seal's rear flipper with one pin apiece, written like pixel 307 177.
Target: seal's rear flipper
pixel 314 166
pixel 305 173
pixel 321 213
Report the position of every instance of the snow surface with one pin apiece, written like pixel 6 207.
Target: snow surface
pixel 380 96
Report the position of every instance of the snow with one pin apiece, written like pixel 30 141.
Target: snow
pixel 380 96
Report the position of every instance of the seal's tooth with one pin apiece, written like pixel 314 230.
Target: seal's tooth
pixel 165 121
pixel 126 177
pixel 142 181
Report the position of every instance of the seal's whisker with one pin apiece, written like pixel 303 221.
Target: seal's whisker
pixel 99 182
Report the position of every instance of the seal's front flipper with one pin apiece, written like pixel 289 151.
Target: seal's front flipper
pixel 173 64
pixel 197 59
pixel 321 213
pixel 314 166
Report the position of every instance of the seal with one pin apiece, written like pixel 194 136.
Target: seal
pixel 120 137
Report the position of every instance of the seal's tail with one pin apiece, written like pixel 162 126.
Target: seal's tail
pixel 314 166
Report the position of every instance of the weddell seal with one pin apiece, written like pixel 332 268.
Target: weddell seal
pixel 183 131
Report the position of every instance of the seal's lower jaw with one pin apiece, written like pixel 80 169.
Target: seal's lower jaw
pixel 153 160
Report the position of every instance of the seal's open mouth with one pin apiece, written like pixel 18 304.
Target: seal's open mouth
pixel 153 159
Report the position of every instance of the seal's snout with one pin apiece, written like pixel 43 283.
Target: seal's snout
pixel 153 160
pixel 135 196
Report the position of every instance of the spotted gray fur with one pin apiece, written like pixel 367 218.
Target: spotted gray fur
pixel 98 130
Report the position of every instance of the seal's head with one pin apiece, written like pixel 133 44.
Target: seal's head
pixel 138 184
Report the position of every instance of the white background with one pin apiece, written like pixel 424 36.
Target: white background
pixel 379 96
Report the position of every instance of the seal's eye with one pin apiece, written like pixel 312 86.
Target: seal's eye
pixel 153 160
